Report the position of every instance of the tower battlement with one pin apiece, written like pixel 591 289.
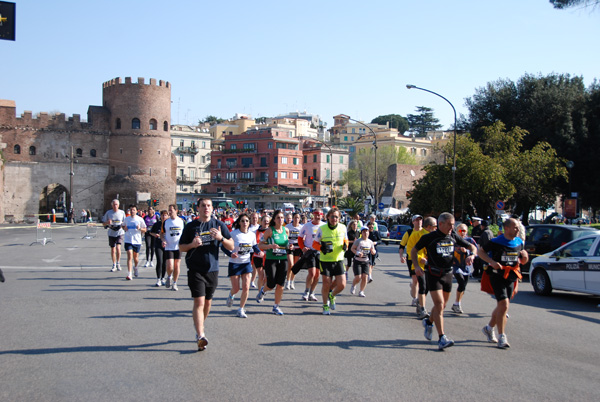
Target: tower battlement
pixel 140 81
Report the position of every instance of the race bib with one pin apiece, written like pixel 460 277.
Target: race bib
pixel 205 237
pixel 279 251
pixel 445 249
pixel 510 258
pixel 244 249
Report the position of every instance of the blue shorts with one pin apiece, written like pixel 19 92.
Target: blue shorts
pixel 135 247
pixel 236 269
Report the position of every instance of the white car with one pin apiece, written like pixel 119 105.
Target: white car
pixel 573 267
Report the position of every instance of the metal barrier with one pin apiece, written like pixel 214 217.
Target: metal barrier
pixel 91 231
pixel 43 234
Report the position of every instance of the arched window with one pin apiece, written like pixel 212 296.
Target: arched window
pixel 118 124
pixel 93 153
pixel 17 149
pixel 165 126
pixel 32 150
pixel 135 124
pixel 153 124
pixel 79 152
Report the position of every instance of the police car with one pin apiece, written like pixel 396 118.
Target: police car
pixel 573 267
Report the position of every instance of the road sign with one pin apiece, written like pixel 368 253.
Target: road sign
pixel 500 205
pixel 380 205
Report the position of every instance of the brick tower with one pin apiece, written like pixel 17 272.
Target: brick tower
pixel 140 159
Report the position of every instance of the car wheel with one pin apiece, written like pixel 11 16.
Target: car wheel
pixel 541 282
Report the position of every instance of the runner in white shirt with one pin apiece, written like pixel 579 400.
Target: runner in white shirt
pixel 133 226
pixel 305 240
pixel 293 256
pixel 170 235
pixel 362 248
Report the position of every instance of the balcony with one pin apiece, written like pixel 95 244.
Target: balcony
pixel 187 150
pixel 185 179
pixel 239 151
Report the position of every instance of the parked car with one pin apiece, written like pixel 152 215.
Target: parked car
pixel 384 233
pixel 544 238
pixel 573 267
pixel 397 231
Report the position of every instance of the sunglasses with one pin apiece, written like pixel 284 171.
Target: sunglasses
pixel 244 220
pixel 462 231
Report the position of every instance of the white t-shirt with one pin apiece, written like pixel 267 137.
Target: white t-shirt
pixel 294 232
pixel 172 229
pixel 309 232
pixel 133 235
pixel 364 246
pixel 253 228
pixel 117 219
pixel 243 243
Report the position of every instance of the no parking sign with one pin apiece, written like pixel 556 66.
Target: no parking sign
pixel 500 205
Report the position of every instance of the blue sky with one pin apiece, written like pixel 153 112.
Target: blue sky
pixel 272 57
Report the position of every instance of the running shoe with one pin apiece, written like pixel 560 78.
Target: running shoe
pixel 158 283
pixel 135 271
pixel 151 264
pixel 168 283
pixel 491 336
pixel 370 279
pixel 128 277
pixel 174 286
pixel 114 268
pixel 241 313
pixel 261 295
pixel 331 301
pixel 277 310
pixel 445 342
pixel 352 289
pixel 253 285
pixel 428 329
pixel 230 300
pixel 305 296
pixel 415 302
pixel 118 266
pixel 163 280
pixel 503 342
pixel 326 310
pixel 287 285
pixel 202 342
pixel 423 313
pixel 147 264
pixel 456 308
pixel 361 294
pixel 292 285
pixel 312 297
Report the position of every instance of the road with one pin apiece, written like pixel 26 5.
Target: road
pixel 72 330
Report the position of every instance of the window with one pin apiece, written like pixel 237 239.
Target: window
pixel 284 175
pixel 231 176
pixel 93 153
pixel 118 124
pixel 32 150
pixel 181 173
pixel 233 146
pixel 264 176
pixel 314 157
pixel 79 152
pixel 341 159
pixel 192 173
pixel 192 158
pixel 280 145
pixel 135 124
pixel 353 130
pixel 328 158
pixel 203 144
pixel 275 160
pixel 275 174
pixel 246 162
pixel 295 176
pixel 413 151
pixel 204 159
pixel 249 146
pixel 345 138
pixel 352 138
pixel 218 163
pixel 181 143
pixel 231 162
pixel 165 126
pixel 327 175
pixel 181 158
pixel 352 149
pixel 193 144
pixel 284 160
pixel 295 161
pixel 153 124
pixel 314 173
pixel 270 145
pixel 304 173
pixel 305 159
pixel 247 175
pixel 17 149
pixel 263 161
pixel 423 152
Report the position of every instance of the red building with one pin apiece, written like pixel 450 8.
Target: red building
pixel 258 160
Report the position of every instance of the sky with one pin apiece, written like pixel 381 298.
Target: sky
pixel 266 58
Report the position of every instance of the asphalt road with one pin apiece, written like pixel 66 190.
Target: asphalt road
pixel 72 330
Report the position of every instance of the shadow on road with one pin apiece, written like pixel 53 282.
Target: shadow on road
pixel 148 347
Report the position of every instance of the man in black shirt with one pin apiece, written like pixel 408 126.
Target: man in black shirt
pixel 440 246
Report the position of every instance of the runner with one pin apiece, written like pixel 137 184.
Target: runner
pixel 417 221
pixel 429 225
pixel 200 241
pixel 352 235
pixel 362 248
pixel 310 255
pixel 134 226
pixel 275 242
pixel 293 255
pixel 375 238
pixel 503 255
pixel 159 250
pixel 150 219
pixel 244 244
pixel 113 220
pixel 258 260
pixel 332 240
pixel 170 235
pixel 440 246
pixel 460 268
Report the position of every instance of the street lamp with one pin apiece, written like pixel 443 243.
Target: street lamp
pixel 454 157
pixel 374 146
pixel 330 168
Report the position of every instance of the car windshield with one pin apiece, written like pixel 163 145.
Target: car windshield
pixel 579 248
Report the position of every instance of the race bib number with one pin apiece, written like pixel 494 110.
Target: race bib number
pixel 244 249
pixel 366 251
pixel 205 237
pixel 294 235
pixel 175 231
pixel 510 258
pixel 445 249
pixel 279 251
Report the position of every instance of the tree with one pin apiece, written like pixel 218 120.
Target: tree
pixel 212 120
pixel 562 4
pixel 395 121
pixel 355 205
pixel 423 121
pixel 261 120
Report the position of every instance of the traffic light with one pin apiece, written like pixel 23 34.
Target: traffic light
pixel 311 179
pixel 155 202
pixel 149 202
pixel 238 204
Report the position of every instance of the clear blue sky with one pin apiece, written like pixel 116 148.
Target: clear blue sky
pixel 272 57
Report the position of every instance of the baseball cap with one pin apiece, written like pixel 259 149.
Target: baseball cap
pixel 415 217
pixel 364 228
pixel 477 219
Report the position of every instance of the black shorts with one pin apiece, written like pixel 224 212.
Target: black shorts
pixel 203 284
pixel 422 285
pixel 172 255
pixel 442 282
pixel 258 262
pixel 275 271
pixel 114 240
pixel 332 268
pixel 297 251
pixel 411 271
pixel 360 267
pixel 503 288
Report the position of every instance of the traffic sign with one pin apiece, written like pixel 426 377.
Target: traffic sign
pixel 380 205
pixel 500 205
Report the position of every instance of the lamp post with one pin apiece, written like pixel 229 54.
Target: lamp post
pixel 375 147
pixel 454 157
pixel 330 168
